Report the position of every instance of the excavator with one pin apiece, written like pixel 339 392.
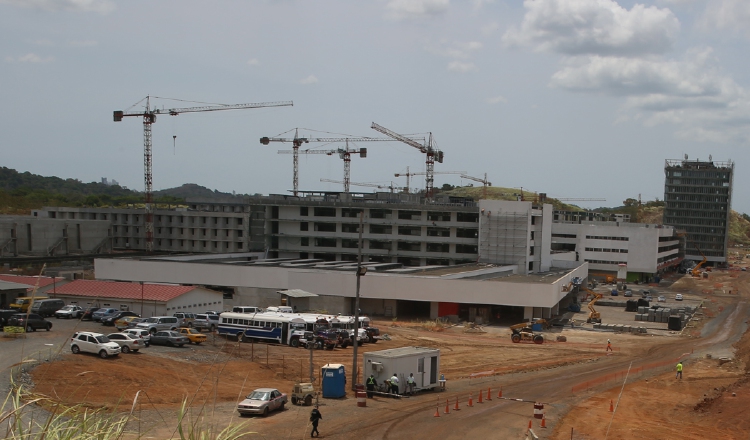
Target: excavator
pixel 594 316
pixel 523 332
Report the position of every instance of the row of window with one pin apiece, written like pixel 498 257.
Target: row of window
pixel 251 322
pixel 699 173
pixel 564 236
pixel 203 244
pixel 388 245
pixel 702 182
pixel 203 231
pixel 621 251
pixel 669 248
pixel 601 237
pixel 604 262
pixel 433 216
pixel 697 190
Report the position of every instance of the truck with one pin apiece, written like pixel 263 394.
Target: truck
pixel 23 303
pixel 424 362
pixel 524 332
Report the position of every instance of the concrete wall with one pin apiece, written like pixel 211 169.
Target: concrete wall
pixel 196 301
pixel 47 236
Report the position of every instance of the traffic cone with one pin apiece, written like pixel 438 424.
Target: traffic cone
pixel 456 408
pixel 489 393
pixel 611 406
pixel 447 409
pixel 480 397
pixel 500 393
pixel 437 411
pixel 471 400
pixel 544 423
pixel 529 424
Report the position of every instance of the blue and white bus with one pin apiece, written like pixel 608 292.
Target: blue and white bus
pixel 270 327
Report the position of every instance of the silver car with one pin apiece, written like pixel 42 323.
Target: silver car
pixel 139 333
pixel 262 401
pixel 126 342
pixel 168 337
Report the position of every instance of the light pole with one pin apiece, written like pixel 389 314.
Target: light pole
pixel 142 299
pixel 360 272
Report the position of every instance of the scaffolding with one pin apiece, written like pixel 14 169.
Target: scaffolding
pixel 504 238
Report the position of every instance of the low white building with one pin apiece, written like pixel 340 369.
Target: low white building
pixel 146 299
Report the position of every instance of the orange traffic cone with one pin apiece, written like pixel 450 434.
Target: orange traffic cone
pixel 489 393
pixel 544 423
pixel 500 393
pixel 437 413
pixel 480 397
pixel 456 408
pixel 611 406
pixel 529 424
pixel 471 400
pixel 447 409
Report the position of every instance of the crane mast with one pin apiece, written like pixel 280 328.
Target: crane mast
pixel 149 117
pixel 431 153
pixel 407 174
pixel 485 183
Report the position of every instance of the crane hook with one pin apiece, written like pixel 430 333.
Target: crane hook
pixel 174 143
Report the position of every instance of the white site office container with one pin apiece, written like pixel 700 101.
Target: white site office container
pixel 422 361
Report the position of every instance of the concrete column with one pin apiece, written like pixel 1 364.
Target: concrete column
pixel 433 310
pixel 528 313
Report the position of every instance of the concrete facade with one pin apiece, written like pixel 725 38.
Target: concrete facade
pixel 23 235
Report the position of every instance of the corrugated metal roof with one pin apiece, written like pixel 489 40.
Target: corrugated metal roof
pixel 296 293
pixel 31 281
pixel 114 289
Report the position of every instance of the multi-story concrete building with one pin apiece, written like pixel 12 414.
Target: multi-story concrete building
pixel 698 200
pixel 31 235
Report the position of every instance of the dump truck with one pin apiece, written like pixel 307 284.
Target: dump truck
pixel 523 332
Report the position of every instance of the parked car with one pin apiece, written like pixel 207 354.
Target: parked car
pixel 678 297
pixel 5 315
pixel 126 342
pixel 139 333
pixel 47 307
pixel 614 292
pixel 209 321
pixel 127 322
pixel 31 322
pixel 70 311
pixel 186 318
pixel 628 293
pixel 157 323
pixel 96 343
pixel 262 401
pixel 102 313
pixel 88 314
pixel 645 293
pixel 169 337
pixel 110 319
pixel 194 336
pixel 661 298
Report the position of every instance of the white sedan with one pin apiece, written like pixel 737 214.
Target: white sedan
pixel 126 342
pixel 69 312
pixel 262 401
pixel 678 297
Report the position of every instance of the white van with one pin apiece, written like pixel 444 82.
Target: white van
pixel 246 309
pixel 279 309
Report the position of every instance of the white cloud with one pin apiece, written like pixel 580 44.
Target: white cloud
pixel 691 93
pixel 253 62
pixel 312 79
pixel 496 99
pixel 100 6
pixel 460 66
pixel 732 15
pixel 403 9
pixel 489 29
pixel 29 58
pixel 603 27
pixel 479 4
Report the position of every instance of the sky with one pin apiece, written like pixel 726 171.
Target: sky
pixel 574 98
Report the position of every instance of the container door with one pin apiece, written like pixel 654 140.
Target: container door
pixel 433 369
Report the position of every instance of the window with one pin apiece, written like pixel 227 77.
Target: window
pixel 304 226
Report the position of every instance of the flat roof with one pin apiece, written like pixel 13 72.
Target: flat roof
pixel 401 352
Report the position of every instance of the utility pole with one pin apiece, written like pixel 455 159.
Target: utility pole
pixel 360 271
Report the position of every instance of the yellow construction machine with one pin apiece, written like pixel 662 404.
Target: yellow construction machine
pixel 523 332
pixel 594 316
pixel 697 269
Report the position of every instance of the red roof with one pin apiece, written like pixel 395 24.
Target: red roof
pixel 114 289
pixel 31 280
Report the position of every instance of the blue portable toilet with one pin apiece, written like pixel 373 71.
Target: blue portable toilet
pixel 333 380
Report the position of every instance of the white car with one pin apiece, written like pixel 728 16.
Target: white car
pixel 127 342
pixel 96 343
pixel 68 312
pixel 262 401
pixel 661 298
pixel 139 333
pixel 678 297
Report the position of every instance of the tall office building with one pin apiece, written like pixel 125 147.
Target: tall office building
pixel 697 200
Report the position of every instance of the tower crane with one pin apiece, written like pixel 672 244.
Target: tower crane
pixel 431 152
pixel 149 117
pixel 345 154
pixel 391 187
pixel 423 173
pixel 485 183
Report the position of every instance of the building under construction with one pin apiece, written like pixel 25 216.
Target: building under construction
pixel 698 200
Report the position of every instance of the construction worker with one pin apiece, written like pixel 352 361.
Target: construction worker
pixel 679 370
pixel 371 384
pixel 411 384
pixel 609 345
pixel 394 384
pixel 315 417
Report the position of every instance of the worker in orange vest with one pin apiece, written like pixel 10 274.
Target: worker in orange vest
pixel 609 345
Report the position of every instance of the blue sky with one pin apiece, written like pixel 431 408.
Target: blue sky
pixel 576 98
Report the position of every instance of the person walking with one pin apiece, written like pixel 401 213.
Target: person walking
pixel 609 345
pixel 679 370
pixel 371 384
pixel 394 384
pixel 411 384
pixel 315 417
